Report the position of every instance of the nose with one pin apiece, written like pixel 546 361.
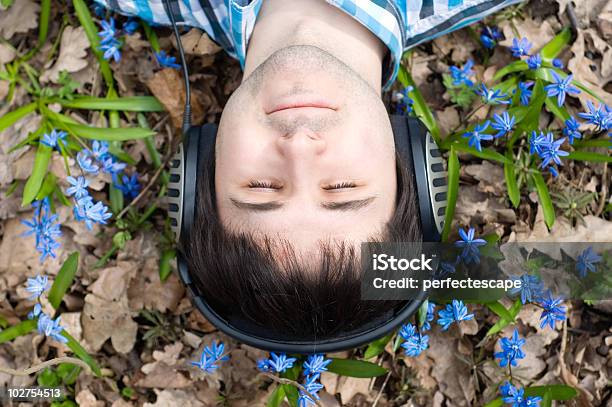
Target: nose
pixel 301 142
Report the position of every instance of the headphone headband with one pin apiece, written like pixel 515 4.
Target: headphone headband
pixel 421 156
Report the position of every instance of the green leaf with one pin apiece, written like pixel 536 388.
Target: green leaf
pixel 377 347
pixel 276 398
pixel 43 25
pixel 532 119
pixel 41 163
pixel 17 114
pixel 544 197
pixel 48 378
pixel 500 310
pixel 22 328
pixel 48 186
pixel 64 279
pixel 164 264
pixel 558 391
pixel 355 368
pixel 560 112
pixel 495 403
pixel 420 106
pixel 503 322
pixel 556 45
pixel 128 104
pixel 601 142
pixel 516 66
pixel 81 353
pixel 546 399
pixel 511 182
pixel 291 392
pixel 588 156
pixel 68 372
pixel 108 134
pixel 486 153
pixel 452 193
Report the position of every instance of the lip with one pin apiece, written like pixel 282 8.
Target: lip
pixel 301 103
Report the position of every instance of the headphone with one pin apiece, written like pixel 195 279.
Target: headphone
pixel 420 155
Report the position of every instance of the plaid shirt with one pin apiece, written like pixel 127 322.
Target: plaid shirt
pixel 400 24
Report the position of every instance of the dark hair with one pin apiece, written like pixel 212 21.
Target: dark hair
pixel 245 279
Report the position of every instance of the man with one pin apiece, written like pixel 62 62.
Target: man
pixel 305 166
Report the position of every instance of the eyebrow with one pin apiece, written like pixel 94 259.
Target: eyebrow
pixel 352 205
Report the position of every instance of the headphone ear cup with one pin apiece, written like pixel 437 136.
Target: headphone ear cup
pixel 422 157
pixel 175 191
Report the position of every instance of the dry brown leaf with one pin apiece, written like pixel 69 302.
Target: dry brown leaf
pixel 19 18
pixel 491 177
pixel 72 56
pixel 7 54
pixel 197 42
pixel 168 87
pixel 85 398
pixel 537 32
pixel 349 387
pixel 146 290
pixel 103 319
pixel 593 72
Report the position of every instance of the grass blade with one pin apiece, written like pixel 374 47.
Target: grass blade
pixel 513 189
pixel 17 114
pixel 588 156
pixel 129 104
pixel 556 45
pixel 81 353
pixel 22 328
pixel 64 279
pixel 486 153
pixel 41 163
pixel 108 134
pixel 453 192
pixel 544 197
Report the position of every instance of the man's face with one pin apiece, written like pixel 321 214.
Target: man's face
pixel 305 153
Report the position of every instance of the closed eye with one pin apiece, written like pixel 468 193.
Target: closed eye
pixel 264 185
pixel 340 185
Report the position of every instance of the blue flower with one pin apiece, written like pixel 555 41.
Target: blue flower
pixel 312 386
pixel 45 227
pixel 511 350
pixel 415 345
pixel 108 32
pixel 503 123
pixel 37 285
pixel 557 63
pixel 477 135
pixel 215 352
pixel 586 262
pixel 35 311
pixel 520 47
pixel 206 363
pixel 462 75
pixel 516 398
pixel 264 365
pixel 166 61
pixel 111 50
pixel 571 130
pixel 86 210
pixel 599 117
pixel 539 142
pixel 534 61
pixel 457 311
pixel 525 92
pixel 78 188
pixel 507 389
pixel 553 153
pixel 51 328
pixel 552 311
pixel 280 363
pixel 561 87
pixel 531 288
pixel 316 364
pixel 111 166
pixel 130 187
pixel 444 270
pixel 470 252
pixel 488 42
pixel 491 96
pixel 54 138
pixel 130 26
pixel 99 149
pixel 211 356
pixel 407 330
pixel 403 101
pixel 86 163
pixel 429 316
